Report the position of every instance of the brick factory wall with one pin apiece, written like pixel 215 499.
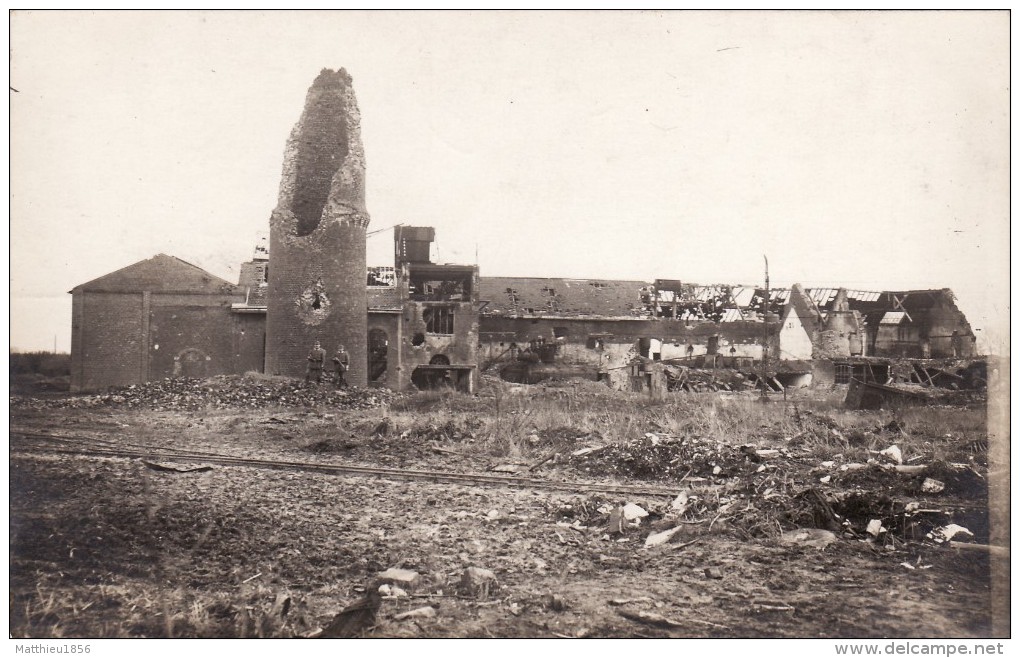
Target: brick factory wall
pixel 124 338
pixel 110 337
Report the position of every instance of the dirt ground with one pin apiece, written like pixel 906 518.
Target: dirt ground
pixel 108 547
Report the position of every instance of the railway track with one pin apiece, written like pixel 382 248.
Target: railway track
pixel 96 447
pixel 104 448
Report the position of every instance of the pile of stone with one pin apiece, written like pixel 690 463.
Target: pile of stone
pixel 227 391
pixel 659 456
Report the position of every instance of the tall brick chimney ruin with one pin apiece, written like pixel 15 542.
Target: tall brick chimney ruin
pixel 317 273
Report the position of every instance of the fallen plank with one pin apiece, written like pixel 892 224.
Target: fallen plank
pixel 651 618
pixel 537 464
pixel 773 605
pixel 640 599
pixel 162 468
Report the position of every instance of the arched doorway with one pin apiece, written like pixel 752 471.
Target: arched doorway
pixel 191 362
pixel 378 346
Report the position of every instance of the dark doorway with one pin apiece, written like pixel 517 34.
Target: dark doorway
pixel 713 344
pixel 378 346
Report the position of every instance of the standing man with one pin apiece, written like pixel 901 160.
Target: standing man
pixel 315 360
pixel 341 362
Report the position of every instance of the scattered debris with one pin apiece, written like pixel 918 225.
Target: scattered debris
pixel 425 612
pixel 892 454
pixel 659 538
pixel 506 468
pixel 478 583
pixel 616 520
pixel 391 591
pixel 547 458
pixel 813 537
pixel 713 574
pixel 910 469
pixel 652 618
pixel 948 532
pixel 554 602
pixel 931 485
pixel 655 619
pixel 917 565
pixel 403 578
pixel 633 512
pixel 875 527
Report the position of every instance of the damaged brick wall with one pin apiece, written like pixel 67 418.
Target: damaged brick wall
pixel 385 328
pixel 581 338
pixel 125 338
pixel 420 346
pixel 841 332
pixel 434 328
pixel 926 330
pixel 943 319
pixel 317 236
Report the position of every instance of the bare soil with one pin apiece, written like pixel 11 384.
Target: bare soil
pixel 107 547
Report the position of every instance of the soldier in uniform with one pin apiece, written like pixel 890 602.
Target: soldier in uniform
pixel 315 361
pixel 341 362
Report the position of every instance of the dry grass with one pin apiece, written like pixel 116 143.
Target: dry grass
pixel 501 419
pixel 145 609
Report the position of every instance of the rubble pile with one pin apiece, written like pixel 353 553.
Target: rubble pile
pixel 764 492
pixel 187 394
pixel 660 457
pixel 451 431
pixel 696 380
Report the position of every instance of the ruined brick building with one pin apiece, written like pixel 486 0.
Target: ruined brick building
pixel 418 323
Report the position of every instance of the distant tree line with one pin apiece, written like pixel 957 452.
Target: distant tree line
pixel 46 364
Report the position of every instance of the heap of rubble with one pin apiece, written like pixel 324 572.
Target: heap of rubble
pixel 659 457
pixel 226 391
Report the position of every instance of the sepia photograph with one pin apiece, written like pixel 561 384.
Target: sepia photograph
pixel 482 325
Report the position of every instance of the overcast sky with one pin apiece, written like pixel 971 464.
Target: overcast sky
pixel 863 149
